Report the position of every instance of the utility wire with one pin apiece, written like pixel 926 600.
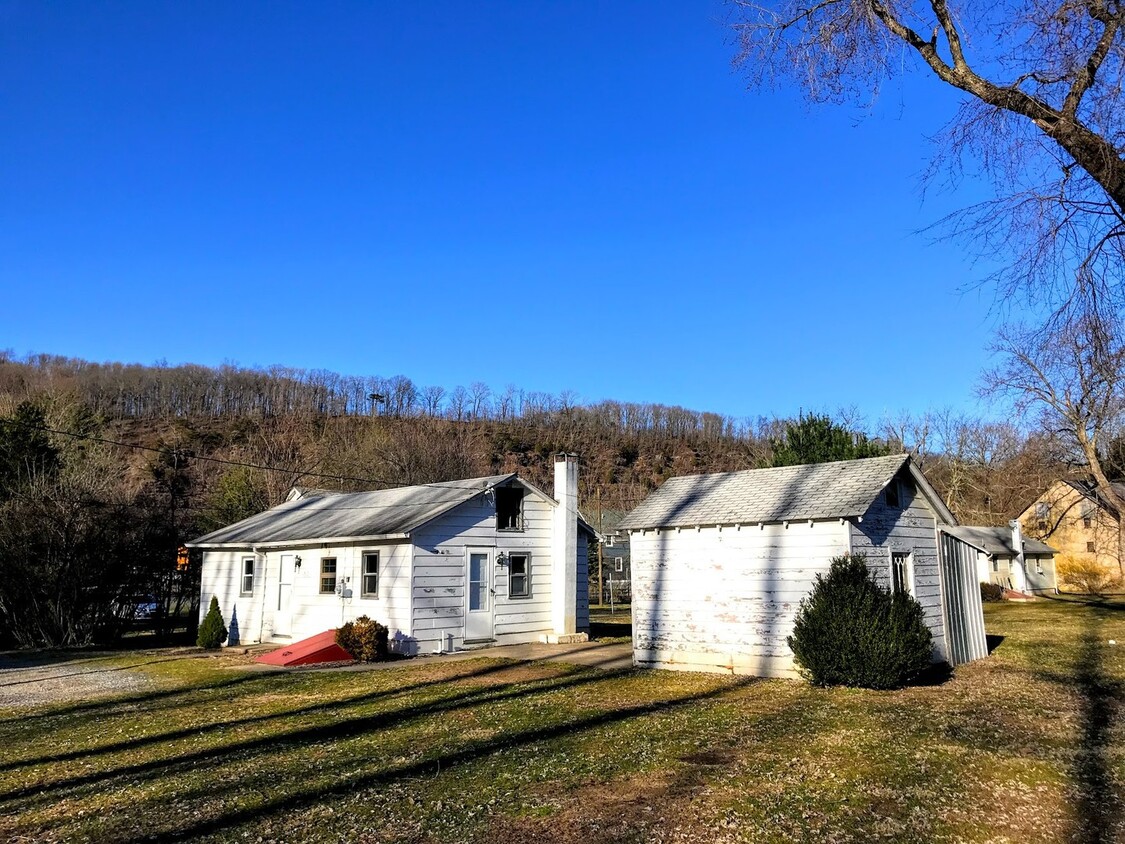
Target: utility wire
pixel 225 462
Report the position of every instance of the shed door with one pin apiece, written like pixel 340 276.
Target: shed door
pixel 964 616
pixel 283 618
pixel 478 595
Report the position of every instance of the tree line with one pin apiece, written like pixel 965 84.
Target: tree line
pixel 158 391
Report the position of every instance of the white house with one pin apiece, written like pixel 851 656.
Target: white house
pixel 1008 558
pixel 721 562
pixel 444 565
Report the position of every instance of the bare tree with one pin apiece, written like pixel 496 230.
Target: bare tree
pixel 1042 116
pixel 431 400
pixel 458 399
pixel 479 393
pixel 1074 378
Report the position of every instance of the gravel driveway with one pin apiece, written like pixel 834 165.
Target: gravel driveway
pixel 35 679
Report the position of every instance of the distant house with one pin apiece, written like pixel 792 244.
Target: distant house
pixel 444 566
pixel 721 562
pixel 1076 520
pixel 612 579
pixel 1008 558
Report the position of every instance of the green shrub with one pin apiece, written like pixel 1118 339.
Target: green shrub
pixel 991 592
pixel 850 631
pixel 364 639
pixel 212 631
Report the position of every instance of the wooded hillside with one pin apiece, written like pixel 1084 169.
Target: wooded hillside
pixel 109 468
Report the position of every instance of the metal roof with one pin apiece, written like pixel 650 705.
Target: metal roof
pixel 353 514
pixel 1091 490
pixel 842 489
pixel 998 541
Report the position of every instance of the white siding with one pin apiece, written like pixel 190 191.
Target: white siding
pixel 311 612
pixel 221 577
pixel 422 582
pixel 440 574
pixel 725 599
pixel 1036 582
pixel 911 529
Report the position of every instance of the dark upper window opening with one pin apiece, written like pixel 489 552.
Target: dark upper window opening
pixel 509 508
pixel 891 495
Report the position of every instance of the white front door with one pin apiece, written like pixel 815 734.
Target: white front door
pixel 478 595
pixel 283 618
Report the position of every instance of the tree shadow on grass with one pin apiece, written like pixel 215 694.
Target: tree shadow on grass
pixel 42 792
pixel 1098 808
pixel 1101 602
pixel 435 764
pixel 234 724
pixel 1099 804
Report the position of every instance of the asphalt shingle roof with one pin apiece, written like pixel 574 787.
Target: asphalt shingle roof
pixel 384 511
pixel 998 540
pixel 821 491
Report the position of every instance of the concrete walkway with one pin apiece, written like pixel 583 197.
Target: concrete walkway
pixel 607 657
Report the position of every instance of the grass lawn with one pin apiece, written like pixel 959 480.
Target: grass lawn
pixel 1023 746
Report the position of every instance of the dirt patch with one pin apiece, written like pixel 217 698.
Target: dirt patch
pixel 636 810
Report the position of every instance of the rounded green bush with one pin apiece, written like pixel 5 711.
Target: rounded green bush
pixel 850 631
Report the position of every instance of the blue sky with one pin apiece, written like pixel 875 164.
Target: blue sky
pixel 561 196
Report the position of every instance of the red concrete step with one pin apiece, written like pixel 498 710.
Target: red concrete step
pixel 319 648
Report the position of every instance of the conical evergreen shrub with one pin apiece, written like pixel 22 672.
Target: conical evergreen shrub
pixel 212 631
pixel 850 631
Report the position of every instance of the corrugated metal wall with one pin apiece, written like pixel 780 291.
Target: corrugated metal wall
pixel 964 615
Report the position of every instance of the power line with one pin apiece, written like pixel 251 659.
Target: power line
pixel 209 459
pixel 225 462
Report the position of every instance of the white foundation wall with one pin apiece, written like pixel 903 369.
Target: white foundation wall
pixel 725 599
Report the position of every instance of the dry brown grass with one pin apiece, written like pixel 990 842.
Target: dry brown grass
pixel 1025 746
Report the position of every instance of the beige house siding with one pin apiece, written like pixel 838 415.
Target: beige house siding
pixel 1073 524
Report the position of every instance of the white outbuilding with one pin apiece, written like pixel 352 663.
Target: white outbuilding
pixel 445 565
pixel 721 562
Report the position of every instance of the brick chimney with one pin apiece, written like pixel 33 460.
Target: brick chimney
pixel 564 546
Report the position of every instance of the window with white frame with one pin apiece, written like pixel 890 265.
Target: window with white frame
pixel 247 575
pixel 369 579
pixel 519 575
pixel 1088 515
pixel 995 564
pixel 619 564
pixel 327 575
pixel 1038 565
pixel 900 571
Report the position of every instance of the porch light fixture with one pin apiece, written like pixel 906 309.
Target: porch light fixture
pixel 297 562
pixel 501 559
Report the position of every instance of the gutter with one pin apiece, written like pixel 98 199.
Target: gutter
pixel 294 543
